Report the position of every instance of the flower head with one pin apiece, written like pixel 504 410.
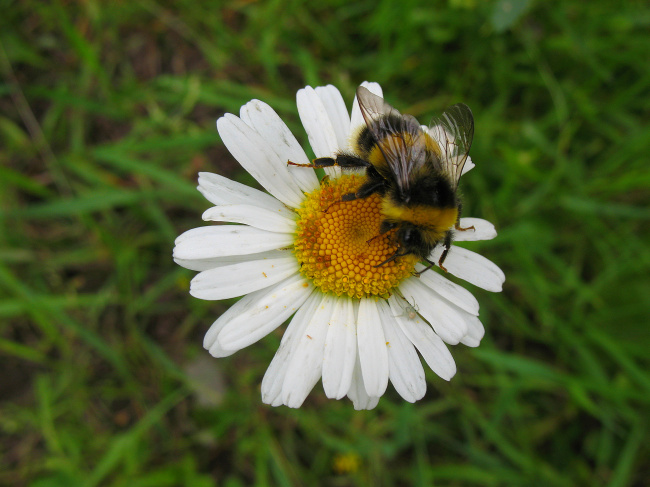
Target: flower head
pixel 300 252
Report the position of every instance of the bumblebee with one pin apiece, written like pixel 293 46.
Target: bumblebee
pixel 415 172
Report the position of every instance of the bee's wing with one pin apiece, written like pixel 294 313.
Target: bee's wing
pixel 400 137
pixel 453 132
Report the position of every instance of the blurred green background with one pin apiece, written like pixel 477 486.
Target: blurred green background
pixel 107 114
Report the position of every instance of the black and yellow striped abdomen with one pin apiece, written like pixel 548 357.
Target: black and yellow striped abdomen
pixel 434 222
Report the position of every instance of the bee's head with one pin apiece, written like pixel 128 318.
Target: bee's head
pixel 410 238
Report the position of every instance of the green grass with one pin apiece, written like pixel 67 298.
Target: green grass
pixel 107 114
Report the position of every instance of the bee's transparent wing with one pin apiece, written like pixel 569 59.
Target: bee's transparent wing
pixel 400 137
pixel 453 132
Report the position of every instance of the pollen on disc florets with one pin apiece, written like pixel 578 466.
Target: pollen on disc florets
pixel 339 246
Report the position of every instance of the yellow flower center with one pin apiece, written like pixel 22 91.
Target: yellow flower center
pixel 339 246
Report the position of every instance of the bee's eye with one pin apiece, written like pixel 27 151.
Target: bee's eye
pixel 410 236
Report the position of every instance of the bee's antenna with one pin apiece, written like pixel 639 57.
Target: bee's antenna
pixel 373 238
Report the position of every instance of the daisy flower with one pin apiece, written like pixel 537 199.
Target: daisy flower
pixel 299 253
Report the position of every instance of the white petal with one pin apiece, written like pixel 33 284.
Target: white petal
pixel 448 320
pixel 242 278
pixel 483 230
pixel 223 191
pixel 469 165
pixel 214 262
pixel 263 119
pixel 276 373
pixel 269 311
pixel 474 334
pixel 429 344
pixel 373 87
pixel 251 215
pixel 373 356
pixel 210 341
pixel 451 291
pixel 315 119
pixel 404 367
pixel 360 398
pixel 255 155
pixel 195 233
pixel 472 267
pixel 306 363
pixel 356 119
pixel 340 350
pixel 225 240
pixel 337 112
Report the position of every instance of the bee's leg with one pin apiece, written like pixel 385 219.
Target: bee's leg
pixel 320 162
pixel 457 226
pixel 392 257
pixel 350 161
pixel 463 229
pixel 442 259
pixel 431 264
pixel 375 184
pixel 447 245
pixel 341 160
pixel 364 191
pixel 371 187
